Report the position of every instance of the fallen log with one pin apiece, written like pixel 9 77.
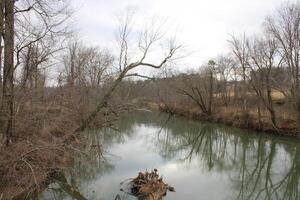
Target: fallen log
pixel 149 186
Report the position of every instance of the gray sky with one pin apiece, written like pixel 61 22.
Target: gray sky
pixel 201 25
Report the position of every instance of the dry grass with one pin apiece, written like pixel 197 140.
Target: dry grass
pixel 277 96
pixel 235 116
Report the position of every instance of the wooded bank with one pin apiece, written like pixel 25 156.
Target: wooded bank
pixel 43 118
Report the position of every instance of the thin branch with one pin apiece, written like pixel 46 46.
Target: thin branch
pixel 138 75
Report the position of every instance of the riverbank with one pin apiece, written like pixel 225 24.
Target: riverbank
pixel 35 174
pixel 179 148
pixel 232 117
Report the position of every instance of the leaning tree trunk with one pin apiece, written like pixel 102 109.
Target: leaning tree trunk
pixel 8 70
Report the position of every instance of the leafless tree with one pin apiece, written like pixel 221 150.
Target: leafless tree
pixel 284 26
pixel 200 88
pixel 23 24
pixel 239 49
pixel 262 63
pixel 224 72
pixel 148 39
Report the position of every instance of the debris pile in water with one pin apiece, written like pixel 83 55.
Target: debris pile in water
pixel 149 186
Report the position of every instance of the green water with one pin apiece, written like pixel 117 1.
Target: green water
pixel 201 160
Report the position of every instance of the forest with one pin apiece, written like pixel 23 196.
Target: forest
pixel 54 87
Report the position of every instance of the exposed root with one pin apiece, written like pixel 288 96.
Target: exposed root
pixel 149 186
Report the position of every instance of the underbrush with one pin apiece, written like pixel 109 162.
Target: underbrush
pixel 44 144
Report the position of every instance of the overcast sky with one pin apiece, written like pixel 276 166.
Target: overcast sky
pixel 201 25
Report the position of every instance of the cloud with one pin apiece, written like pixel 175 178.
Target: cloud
pixel 202 25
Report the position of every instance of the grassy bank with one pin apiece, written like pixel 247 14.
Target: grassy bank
pixel 234 117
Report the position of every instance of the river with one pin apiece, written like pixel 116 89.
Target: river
pixel 200 160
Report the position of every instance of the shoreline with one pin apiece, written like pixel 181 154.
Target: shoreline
pixel 187 114
pixel 250 124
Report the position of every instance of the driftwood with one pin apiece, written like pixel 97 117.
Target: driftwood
pixel 149 186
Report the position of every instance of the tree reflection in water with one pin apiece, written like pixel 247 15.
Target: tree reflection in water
pixel 258 166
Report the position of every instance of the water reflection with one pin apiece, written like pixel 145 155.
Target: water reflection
pixel 202 160
pixel 259 166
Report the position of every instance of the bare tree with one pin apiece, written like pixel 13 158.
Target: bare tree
pixel 86 71
pixel 200 88
pixel 224 71
pixel 86 65
pixel 284 27
pixel 23 24
pixel 148 39
pixel 98 66
pixel 262 63
pixel 239 49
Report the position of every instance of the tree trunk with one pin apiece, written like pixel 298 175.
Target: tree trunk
pixel 8 70
pixel 211 95
pixel 259 118
pixel 1 38
pixel 298 113
pixel 270 100
pixel 102 103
